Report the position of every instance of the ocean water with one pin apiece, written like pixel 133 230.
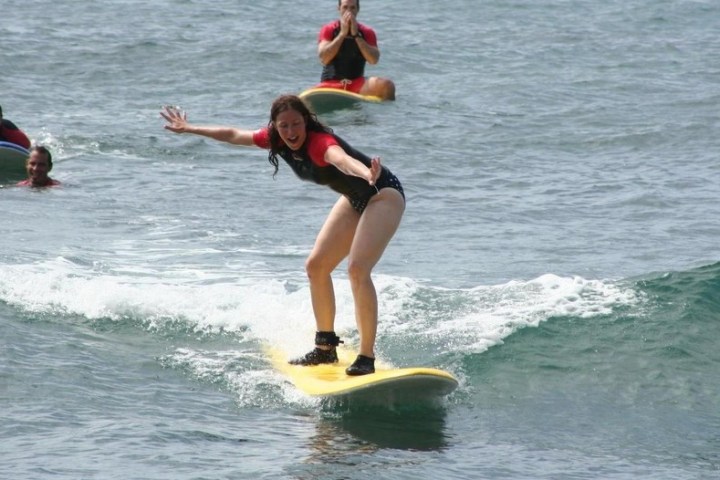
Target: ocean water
pixel 559 252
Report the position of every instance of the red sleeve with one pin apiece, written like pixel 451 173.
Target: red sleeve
pixel 326 32
pixel 368 34
pixel 261 138
pixel 317 145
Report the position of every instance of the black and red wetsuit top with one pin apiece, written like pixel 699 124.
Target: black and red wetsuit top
pixel 308 163
pixel 349 62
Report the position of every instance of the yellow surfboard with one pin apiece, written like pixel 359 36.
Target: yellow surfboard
pixel 397 384
pixel 322 100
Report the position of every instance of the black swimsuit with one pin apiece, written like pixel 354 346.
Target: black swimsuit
pixel 357 190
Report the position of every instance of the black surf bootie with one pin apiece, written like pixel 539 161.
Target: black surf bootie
pixel 319 355
pixel 361 366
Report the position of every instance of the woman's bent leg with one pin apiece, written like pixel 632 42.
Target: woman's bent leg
pixel 331 247
pixel 377 225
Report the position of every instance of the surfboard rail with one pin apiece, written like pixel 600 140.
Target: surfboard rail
pixel 325 99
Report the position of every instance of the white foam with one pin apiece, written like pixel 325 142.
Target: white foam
pixel 278 312
pixel 272 309
pixel 501 310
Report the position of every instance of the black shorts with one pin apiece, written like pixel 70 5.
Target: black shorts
pixel 386 180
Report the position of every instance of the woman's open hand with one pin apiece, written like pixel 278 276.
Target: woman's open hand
pixel 176 118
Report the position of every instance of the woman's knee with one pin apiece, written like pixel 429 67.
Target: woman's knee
pixel 358 271
pixel 312 266
pixel 316 267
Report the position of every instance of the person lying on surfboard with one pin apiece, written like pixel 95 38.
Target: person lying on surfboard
pixel 344 46
pixel 359 226
pixel 38 166
pixel 9 132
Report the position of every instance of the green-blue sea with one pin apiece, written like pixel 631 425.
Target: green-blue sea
pixel 559 255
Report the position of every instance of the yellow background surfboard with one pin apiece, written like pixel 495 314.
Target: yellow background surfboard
pixel 322 100
pixel 331 381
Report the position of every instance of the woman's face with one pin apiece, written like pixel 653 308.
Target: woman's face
pixel 290 125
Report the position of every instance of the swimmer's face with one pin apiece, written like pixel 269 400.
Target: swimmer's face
pixel 38 167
